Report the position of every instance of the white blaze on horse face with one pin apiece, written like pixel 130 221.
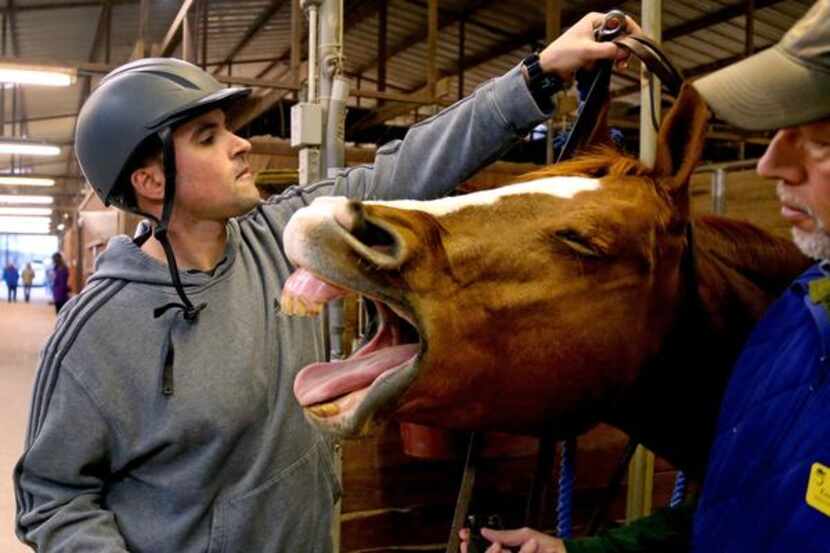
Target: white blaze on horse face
pixel 560 187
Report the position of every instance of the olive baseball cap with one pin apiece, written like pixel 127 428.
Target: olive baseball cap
pixel 783 86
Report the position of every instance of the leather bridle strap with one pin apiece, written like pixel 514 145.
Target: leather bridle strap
pixel 655 62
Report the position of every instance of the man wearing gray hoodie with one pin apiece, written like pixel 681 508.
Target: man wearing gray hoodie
pixel 163 418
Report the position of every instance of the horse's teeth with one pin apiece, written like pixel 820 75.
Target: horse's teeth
pixel 325 410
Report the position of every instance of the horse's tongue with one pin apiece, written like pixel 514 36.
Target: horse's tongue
pixel 303 284
pixel 325 381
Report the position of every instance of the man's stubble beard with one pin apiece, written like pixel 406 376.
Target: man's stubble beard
pixel 814 244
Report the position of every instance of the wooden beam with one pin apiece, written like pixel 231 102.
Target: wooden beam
pixel 65 5
pixel 101 30
pixel 296 40
pixel 190 32
pixel 141 49
pixel 383 13
pixel 252 31
pixel 553 28
pixel 432 46
pixel 462 47
pixel 172 37
pixel 749 36
pixel 257 106
pixel 534 34
pixel 720 16
pixel 695 71
pixel 15 44
pixel 445 19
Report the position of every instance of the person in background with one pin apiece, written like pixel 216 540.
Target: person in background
pixel 27 277
pixel 60 282
pixel 10 277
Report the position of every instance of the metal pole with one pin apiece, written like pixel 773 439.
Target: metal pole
pixel 553 26
pixel 641 469
pixel 719 191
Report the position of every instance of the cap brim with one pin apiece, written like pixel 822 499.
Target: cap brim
pixel 769 90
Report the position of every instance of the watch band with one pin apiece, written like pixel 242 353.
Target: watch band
pixel 542 85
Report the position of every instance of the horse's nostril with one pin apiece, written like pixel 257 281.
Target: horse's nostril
pixel 349 215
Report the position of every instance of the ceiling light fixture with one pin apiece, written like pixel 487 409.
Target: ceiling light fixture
pixel 24 225
pixel 26 211
pixel 24 146
pixel 26 181
pixel 37 75
pixel 22 199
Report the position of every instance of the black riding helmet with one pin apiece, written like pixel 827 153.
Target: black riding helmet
pixel 141 99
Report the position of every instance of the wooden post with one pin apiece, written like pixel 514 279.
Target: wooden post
pixel 461 47
pixel 204 32
pixel 432 47
pixel 383 17
pixel 296 41
pixel 652 26
pixel 553 26
pixel 749 40
pixel 641 469
pixel 188 38
pixel 2 86
pixel 143 18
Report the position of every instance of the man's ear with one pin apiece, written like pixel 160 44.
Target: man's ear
pixel 148 182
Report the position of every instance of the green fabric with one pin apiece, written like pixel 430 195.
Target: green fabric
pixel 665 531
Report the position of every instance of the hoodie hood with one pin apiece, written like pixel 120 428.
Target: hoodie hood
pixel 124 260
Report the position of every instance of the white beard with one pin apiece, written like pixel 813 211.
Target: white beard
pixel 815 244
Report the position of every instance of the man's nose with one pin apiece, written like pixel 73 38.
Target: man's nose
pixel 241 145
pixel 783 159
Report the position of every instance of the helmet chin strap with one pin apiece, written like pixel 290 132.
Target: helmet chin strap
pixel 191 312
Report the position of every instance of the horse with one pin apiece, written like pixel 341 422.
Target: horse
pixel 585 292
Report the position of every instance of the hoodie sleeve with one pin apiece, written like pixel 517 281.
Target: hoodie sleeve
pixel 446 149
pixel 437 154
pixel 60 477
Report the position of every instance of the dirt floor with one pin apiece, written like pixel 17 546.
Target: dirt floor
pixel 24 328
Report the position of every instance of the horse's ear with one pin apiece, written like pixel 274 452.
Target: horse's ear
pixel 601 135
pixel 680 142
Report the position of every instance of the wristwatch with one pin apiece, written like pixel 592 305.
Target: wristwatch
pixel 542 85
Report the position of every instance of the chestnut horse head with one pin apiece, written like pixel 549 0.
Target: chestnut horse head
pixel 567 298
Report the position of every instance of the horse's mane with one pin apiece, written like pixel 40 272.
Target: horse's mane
pixel 596 162
pixel 768 260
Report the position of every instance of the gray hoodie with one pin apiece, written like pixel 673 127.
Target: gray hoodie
pixel 161 435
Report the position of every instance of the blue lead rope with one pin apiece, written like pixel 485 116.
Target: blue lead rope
pixel 564 505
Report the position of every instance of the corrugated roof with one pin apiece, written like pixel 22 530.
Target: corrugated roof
pixel 497 36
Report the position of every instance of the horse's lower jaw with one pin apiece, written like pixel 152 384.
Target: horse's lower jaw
pixel 352 414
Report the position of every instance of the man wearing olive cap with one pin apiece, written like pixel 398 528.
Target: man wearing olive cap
pixel 765 489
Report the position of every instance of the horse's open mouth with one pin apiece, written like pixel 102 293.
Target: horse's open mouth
pixel 345 393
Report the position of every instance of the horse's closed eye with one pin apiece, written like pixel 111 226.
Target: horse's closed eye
pixel 577 242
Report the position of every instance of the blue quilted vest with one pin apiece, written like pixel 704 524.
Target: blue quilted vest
pixel 774 425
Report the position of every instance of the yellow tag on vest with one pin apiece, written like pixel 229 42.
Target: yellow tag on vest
pixel 818 488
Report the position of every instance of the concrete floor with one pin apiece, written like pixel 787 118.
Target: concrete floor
pixel 24 328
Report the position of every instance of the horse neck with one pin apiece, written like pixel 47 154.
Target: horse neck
pixel 738 271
